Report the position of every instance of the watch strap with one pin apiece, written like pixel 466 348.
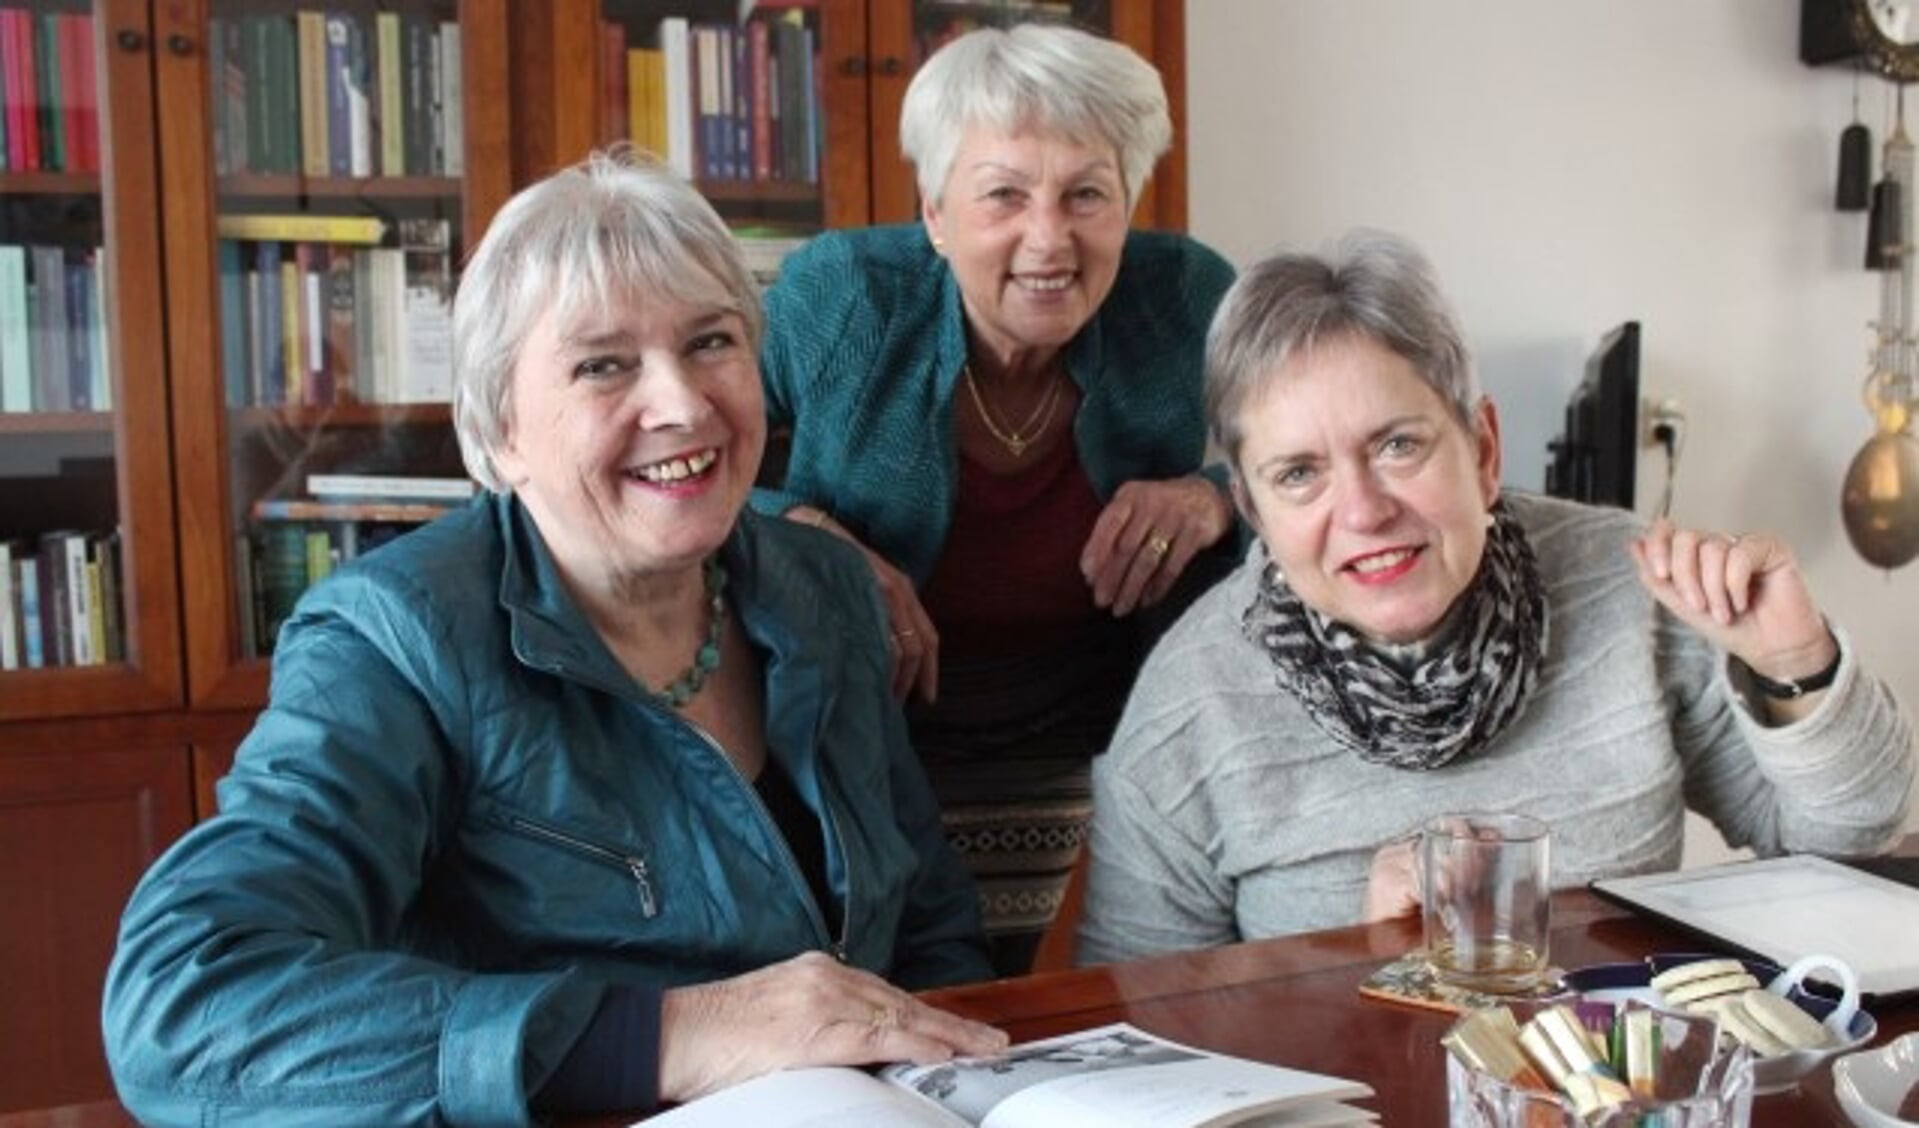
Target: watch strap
pixel 1790 688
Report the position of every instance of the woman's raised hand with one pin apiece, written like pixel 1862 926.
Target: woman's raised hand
pixel 915 641
pixel 1743 593
pixel 1147 535
pixel 810 1010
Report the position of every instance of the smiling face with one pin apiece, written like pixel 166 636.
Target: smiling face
pixel 1367 491
pixel 1033 227
pixel 633 435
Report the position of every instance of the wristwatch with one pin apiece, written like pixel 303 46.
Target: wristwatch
pixel 1788 689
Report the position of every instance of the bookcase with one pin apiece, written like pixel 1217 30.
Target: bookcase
pixel 227 232
pixel 570 92
pixel 159 161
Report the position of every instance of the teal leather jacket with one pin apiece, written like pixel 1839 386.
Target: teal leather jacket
pixel 865 338
pixel 458 820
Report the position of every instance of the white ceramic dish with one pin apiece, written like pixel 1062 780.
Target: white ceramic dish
pixel 1851 1028
pixel 1873 1084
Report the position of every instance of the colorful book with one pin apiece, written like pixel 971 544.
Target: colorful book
pixel 392 127
pixel 26 581
pixel 315 137
pixel 337 76
pixel 397 512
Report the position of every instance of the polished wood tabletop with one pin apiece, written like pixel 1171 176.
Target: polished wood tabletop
pixel 1295 1001
pixel 1292 1001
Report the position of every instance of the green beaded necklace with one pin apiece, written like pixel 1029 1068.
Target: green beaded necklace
pixel 681 689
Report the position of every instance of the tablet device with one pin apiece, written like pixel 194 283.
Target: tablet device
pixel 1783 908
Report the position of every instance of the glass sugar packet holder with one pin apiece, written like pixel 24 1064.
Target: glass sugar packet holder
pixel 1563 1064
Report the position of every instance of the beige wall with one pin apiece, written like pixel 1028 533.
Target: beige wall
pixel 1573 165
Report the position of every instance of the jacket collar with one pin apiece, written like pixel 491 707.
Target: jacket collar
pixel 550 633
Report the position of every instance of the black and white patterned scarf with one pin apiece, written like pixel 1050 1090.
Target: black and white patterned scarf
pixel 1453 699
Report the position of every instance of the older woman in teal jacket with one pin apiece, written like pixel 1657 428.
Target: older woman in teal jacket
pixel 1001 407
pixel 590 795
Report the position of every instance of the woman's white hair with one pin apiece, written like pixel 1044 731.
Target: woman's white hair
pixel 1057 80
pixel 616 226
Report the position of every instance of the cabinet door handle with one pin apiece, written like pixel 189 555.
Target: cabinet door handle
pixel 180 45
pixel 130 40
pixel 853 66
pixel 890 66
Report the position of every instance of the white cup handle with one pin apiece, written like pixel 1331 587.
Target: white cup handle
pixel 1840 1020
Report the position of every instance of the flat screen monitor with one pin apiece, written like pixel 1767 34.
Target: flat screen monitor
pixel 1594 458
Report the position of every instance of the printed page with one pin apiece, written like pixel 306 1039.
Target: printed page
pixel 1115 1076
pixel 807 1098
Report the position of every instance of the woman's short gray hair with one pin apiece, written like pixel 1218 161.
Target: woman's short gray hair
pixel 1058 80
pixel 1374 285
pixel 616 226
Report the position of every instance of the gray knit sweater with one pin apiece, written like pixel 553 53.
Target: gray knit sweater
pixel 1222 812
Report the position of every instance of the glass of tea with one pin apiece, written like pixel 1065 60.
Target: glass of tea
pixel 1486 900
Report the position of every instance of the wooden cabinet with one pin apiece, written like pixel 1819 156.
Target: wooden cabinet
pixel 78 826
pixel 171 218
pixel 140 455
pixel 566 90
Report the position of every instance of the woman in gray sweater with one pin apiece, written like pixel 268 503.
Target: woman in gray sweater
pixel 1409 640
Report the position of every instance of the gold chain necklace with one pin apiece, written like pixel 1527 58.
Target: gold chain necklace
pixel 1015 439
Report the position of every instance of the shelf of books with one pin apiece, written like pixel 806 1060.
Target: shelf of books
pixel 60 574
pixel 729 93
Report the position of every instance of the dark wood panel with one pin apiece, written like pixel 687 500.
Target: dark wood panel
pixel 76 832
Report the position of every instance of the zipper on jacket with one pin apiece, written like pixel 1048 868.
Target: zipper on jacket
pixel 633 864
pixel 815 911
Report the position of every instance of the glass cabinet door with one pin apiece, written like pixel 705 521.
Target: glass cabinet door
pixel 343 159
pixel 759 103
pixel 88 618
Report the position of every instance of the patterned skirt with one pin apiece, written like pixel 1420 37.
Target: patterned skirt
pixel 1007 750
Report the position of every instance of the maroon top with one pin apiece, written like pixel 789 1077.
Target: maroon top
pixel 1008 579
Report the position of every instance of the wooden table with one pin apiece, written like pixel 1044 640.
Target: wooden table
pixel 1293 1001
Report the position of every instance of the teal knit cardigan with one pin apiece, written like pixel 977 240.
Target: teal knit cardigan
pixel 864 342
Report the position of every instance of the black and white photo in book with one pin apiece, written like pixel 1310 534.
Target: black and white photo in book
pixel 1115 1076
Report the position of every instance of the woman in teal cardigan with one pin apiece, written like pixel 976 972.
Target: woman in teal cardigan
pixel 1001 407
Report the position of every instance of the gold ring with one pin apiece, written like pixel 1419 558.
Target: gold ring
pixel 905 634
pixel 1158 544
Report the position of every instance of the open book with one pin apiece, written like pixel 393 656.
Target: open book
pixel 1108 1077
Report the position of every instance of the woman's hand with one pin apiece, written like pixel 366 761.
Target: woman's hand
pixel 810 1010
pixel 915 643
pixel 1147 535
pixel 1392 886
pixel 1743 593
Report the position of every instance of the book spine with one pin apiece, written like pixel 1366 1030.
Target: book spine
pixel 9 610
pixel 386 29
pixel 312 259
pixel 452 102
pixel 336 72
pixel 79 333
pixel 55 601
pixel 310 37
pixel 364 229
pixel 418 110
pixel 26 579
pixel 293 338
pixel 96 611
pixel 230 88
pixel 16 332
pixel 363 140
pixel 49 313
pixel 340 349
pixel 52 96
pixel 110 605
pixel 385 486
pixel 79 598
pixel 760 65
pixel 247 595
pixel 677 70
pixel 234 364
